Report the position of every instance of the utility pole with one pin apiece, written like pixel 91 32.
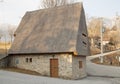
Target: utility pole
pixel 101 34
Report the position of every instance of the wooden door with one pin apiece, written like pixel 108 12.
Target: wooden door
pixel 54 67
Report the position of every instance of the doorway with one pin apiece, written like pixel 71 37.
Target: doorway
pixel 54 68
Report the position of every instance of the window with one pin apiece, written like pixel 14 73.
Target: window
pixel 17 61
pixel 30 59
pixel 84 43
pixel 26 59
pixel 14 35
pixel 80 64
pixel 84 34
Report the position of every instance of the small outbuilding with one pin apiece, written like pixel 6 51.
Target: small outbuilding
pixel 52 42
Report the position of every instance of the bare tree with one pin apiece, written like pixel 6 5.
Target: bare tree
pixel 114 38
pixel 94 29
pixel 11 30
pixel 54 3
pixel 1 34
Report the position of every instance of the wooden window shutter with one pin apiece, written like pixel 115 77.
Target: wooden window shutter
pixel 30 59
pixel 80 64
pixel 26 59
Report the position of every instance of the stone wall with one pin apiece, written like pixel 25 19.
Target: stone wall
pixel 68 65
pixel 77 71
pixel 4 62
pixel 41 64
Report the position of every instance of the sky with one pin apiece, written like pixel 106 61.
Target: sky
pixel 12 11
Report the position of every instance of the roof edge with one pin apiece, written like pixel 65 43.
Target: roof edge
pixel 75 55
pixel 77 3
pixel 40 53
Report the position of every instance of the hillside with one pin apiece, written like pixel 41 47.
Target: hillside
pixel 4 47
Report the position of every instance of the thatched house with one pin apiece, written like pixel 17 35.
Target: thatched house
pixel 52 42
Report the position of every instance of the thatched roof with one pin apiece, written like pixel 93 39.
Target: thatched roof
pixel 59 29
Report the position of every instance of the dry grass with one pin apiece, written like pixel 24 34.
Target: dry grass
pixel 94 51
pixel 2 51
pixel 112 60
pixel 21 71
pixel 4 45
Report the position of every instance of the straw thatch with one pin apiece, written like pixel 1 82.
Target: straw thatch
pixel 52 30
